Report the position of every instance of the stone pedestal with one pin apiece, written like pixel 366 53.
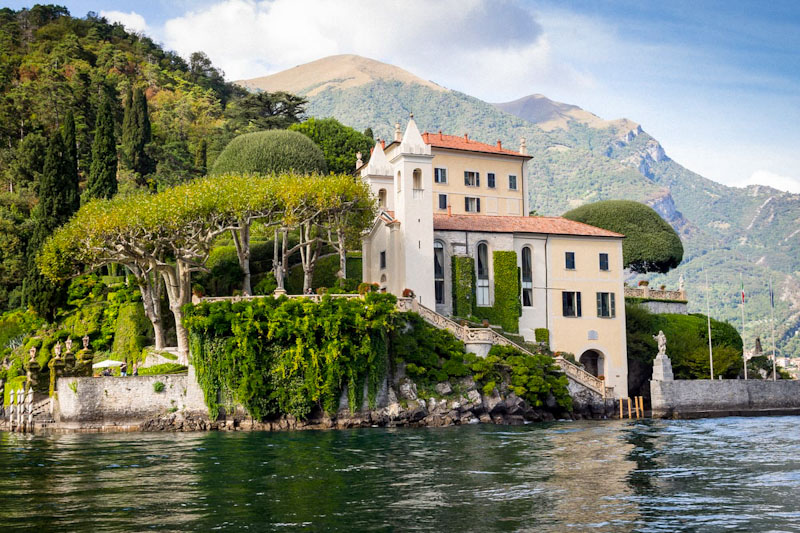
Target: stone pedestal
pixel 662 368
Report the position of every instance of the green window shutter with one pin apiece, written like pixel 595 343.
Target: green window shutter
pixel 613 306
pixel 578 303
pixel 599 304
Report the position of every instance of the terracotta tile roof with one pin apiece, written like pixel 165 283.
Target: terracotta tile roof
pixel 498 224
pixel 440 140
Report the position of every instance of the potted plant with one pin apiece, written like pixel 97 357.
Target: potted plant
pixel 408 293
pixel 643 283
pixel 663 287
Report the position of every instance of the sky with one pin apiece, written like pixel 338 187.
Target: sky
pixel 717 83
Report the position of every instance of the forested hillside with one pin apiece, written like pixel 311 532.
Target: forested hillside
pixel 165 121
pixel 577 159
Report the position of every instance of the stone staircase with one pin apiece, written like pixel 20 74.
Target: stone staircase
pixel 488 337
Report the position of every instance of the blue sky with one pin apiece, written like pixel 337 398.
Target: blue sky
pixel 718 83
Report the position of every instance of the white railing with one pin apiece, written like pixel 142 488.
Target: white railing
pixel 418 194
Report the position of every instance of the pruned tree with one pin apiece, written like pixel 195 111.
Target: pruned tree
pixel 102 181
pixel 650 244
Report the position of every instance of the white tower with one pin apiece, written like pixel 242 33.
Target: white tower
pixel 413 188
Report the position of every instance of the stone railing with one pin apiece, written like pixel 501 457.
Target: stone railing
pixel 654 294
pixel 312 297
pixel 488 335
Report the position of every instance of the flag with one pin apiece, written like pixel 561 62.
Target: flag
pixel 771 295
pixel 742 282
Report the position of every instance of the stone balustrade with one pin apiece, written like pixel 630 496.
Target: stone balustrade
pixel 645 292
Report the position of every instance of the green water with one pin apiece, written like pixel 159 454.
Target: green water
pixel 740 474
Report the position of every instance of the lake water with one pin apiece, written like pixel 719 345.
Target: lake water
pixel 702 475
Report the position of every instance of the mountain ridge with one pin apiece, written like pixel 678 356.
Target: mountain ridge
pixel 580 158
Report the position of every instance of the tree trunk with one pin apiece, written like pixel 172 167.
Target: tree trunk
pixel 285 256
pixel 241 240
pixel 179 291
pixel 150 288
pixel 342 254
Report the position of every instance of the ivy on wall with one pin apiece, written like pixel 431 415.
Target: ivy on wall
pixel 507 306
pixel 278 356
pixel 463 285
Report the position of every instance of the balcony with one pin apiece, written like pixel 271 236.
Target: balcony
pixel 418 194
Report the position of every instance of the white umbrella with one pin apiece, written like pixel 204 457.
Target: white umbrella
pixel 107 363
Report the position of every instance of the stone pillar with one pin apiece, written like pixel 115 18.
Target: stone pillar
pixel 662 368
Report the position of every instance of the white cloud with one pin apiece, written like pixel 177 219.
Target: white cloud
pixel 132 21
pixel 771 179
pixel 494 50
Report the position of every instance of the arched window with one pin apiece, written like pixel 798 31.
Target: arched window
pixel 482 292
pixel 398 183
pixel 438 271
pixel 382 198
pixel 527 277
pixel 417 178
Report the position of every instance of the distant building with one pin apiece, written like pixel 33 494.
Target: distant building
pixel 444 197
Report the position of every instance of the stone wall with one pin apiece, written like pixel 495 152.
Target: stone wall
pixel 112 400
pixel 665 308
pixel 705 397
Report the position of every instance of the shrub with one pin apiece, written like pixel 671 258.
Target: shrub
pixel 542 335
pixel 132 333
pixel 506 309
pixel 273 151
pixel 158 386
pixel 339 143
pixel 531 377
pixel 164 368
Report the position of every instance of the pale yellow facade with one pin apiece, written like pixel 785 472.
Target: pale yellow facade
pixel 589 332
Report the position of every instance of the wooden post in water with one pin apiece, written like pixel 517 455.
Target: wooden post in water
pixel 620 409
pixel 629 407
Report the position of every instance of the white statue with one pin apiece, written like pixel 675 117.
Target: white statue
pixel 68 344
pixel 662 342
pixel 32 351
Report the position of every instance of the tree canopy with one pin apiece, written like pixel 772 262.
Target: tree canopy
pixel 266 152
pixel 338 142
pixel 650 245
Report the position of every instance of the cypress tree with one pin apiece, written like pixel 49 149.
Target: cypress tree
pixel 201 157
pixel 70 178
pixel 128 130
pixel 57 193
pixel 103 170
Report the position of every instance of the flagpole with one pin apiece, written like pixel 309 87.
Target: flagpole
pixel 744 344
pixel 772 321
pixel 708 316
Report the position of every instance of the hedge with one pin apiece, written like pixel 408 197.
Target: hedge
pixel 267 152
pixel 463 285
pixel 132 333
pixel 507 306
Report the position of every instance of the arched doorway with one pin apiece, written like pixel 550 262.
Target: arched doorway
pixel 593 362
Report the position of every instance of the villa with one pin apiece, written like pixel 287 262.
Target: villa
pixel 453 229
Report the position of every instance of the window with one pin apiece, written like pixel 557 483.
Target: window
pixel 570 260
pixel 472 179
pixel 438 271
pixel 398 183
pixel 440 175
pixel 603 261
pixel 606 305
pixel 571 303
pixel 527 277
pixel 472 205
pixel 512 182
pixel 482 295
pixel 383 259
pixel 416 178
pixel 382 197
pixel 490 180
pixel 442 201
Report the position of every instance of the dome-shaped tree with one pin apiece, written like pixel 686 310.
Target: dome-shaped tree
pixel 650 245
pixel 265 152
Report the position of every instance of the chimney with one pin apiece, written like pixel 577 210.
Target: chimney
pixel 398 135
pixel 499 144
pixel 383 144
pixel 523 148
pixel 466 137
pixel 440 135
pixel 359 162
pixel 449 210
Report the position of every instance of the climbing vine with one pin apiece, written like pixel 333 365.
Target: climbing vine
pixel 284 355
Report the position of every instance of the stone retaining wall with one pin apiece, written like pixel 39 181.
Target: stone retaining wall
pixel 666 308
pixel 705 397
pixel 113 400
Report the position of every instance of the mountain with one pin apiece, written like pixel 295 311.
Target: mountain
pixel 578 157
